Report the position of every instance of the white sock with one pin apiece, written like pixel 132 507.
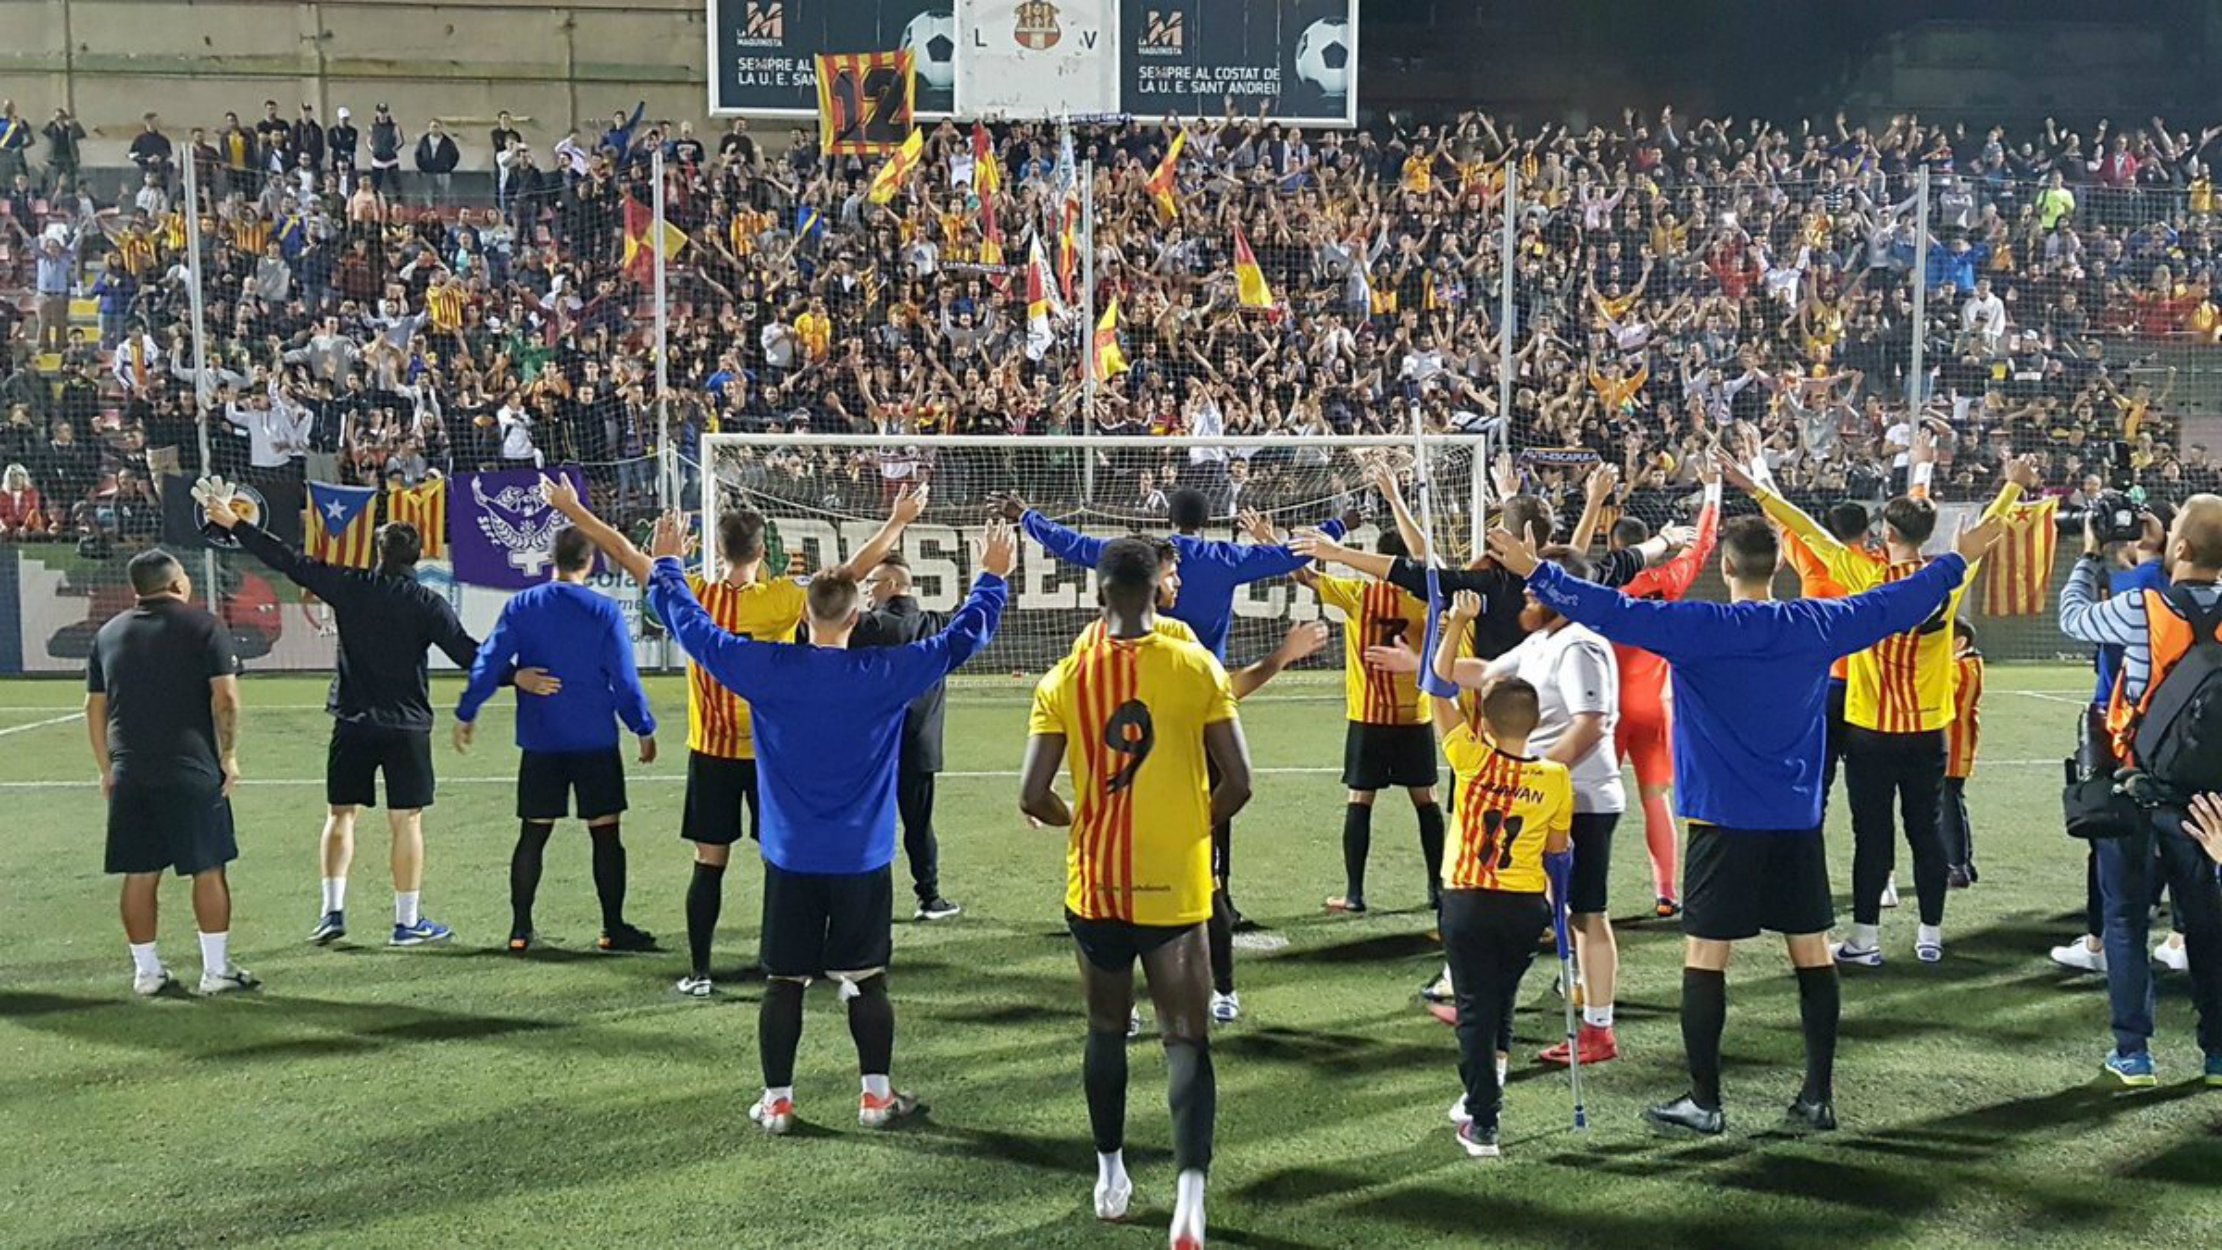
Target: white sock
pixel 1504 1068
pixel 215 954
pixel 335 894
pixel 1929 935
pixel 877 1086
pixel 1188 1204
pixel 1598 1017
pixel 1866 937
pixel 405 907
pixel 144 961
pixel 1111 1168
pixel 774 1095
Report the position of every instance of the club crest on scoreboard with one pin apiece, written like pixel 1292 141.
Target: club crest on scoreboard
pixel 1036 25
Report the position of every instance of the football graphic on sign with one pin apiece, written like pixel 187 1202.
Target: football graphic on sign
pixel 1323 55
pixel 931 39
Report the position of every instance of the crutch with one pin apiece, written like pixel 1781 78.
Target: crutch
pixel 1561 869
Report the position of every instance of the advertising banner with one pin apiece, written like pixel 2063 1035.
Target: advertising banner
pixel 1296 58
pixel 764 53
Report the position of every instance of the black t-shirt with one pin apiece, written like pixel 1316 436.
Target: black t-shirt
pixel 155 663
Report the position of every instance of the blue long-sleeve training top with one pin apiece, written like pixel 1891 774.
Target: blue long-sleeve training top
pixel 1211 570
pixel 829 721
pixel 1751 682
pixel 581 638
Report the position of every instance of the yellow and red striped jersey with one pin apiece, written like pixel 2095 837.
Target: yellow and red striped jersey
pixel 1376 615
pixel 2017 575
pixel 1133 715
pixel 1964 734
pixel 1097 632
pixel 445 304
pixel 135 252
pixel 718 721
pixel 1508 807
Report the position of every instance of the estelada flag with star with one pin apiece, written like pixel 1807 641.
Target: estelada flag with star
pixel 342 520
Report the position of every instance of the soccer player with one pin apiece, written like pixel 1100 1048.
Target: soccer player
pixel 829 724
pixel 381 704
pixel 1896 707
pixel 1577 684
pixel 1750 681
pixel 896 620
pixel 721 742
pixel 1962 739
pixel 1641 734
pixel 162 711
pixel 1386 739
pixel 1143 714
pixel 569 738
pixel 1514 809
pixel 1211 572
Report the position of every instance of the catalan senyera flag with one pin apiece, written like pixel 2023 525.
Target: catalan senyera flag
pixel 2017 574
pixel 341 522
pixel 987 172
pixel 424 507
pixel 889 178
pixel 1038 334
pixel 644 237
pixel 1166 176
pixel 1107 360
pixel 1068 254
pixel 1249 280
pixel 991 246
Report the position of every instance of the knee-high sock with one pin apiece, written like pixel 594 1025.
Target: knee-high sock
pixel 1219 938
pixel 1666 849
pixel 1357 843
pixel 779 1032
pixel 1820 1004
pixel 524 872
pixel 609 875
pixel 705 897
pixel 1103 1072
pixel 1704 1017
pixel 1431 849
pixel 872 1026
pixel 1192 1090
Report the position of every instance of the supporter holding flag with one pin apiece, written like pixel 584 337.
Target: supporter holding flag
pixel 896 170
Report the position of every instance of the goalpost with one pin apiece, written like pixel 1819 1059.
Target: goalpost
pixel 825 494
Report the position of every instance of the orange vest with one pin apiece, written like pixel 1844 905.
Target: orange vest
pixel 2167 638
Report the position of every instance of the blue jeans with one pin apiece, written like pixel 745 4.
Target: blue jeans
pixel 2126 866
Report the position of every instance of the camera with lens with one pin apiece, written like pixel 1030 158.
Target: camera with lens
pixel 2117 518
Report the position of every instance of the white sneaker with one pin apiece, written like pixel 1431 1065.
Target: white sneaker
pixel 1112 1198
pixel 1458 1114
pixel 2079 956
pixel 147 985
pixel 1890 892
pixel 880 1112
pixel 231 980
pixel 1225 1008
pixel 692 986
pixel 1133 1023
pixel 2171 955
pixel 1865 957
pixel 1929 952
pixel 774 1116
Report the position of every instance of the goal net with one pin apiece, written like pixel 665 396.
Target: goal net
pixel 826 494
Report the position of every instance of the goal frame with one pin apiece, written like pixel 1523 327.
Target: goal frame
pixel 1483 447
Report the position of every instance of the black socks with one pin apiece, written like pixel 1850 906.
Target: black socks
pixel 1431 850
pixel 779 1031
pixel 705 897
pixel 1219 937
pixel 1704 1016
pixel 871 1025
pixel 1820 1003
pixel 524 873
pixel 1103 1072
pixel 1357 843
pixel 609 875
pixel 1192 1091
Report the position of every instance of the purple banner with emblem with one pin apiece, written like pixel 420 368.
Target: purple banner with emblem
pixel 501 533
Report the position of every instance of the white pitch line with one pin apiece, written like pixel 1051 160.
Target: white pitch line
pixel 41 724
pixel 674 778
pixel 2051 697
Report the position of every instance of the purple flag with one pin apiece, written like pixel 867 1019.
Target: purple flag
pixel 502 532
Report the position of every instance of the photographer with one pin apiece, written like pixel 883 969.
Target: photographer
pixel 2131 546
pixel 2156 630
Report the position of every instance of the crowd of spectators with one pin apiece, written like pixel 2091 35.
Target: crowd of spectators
pixel 1674 283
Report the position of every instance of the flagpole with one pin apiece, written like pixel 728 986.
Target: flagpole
pixel 200 348
pixel 1506 313
pixel 1088 326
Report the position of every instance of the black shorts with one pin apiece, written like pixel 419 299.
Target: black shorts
pixel 1737 882
pixel 1114 945
pixel 360 752
pixel 818 924
pixel 717 788
pixel 1377 757
pixel 185 826
pixel 1585 892
pixel 546 780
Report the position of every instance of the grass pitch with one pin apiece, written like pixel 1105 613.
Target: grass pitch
pixel 459 1096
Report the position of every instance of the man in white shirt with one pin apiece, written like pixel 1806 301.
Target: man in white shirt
pixel 1577 682
pixel 516 434
pixel 1984 317
pixel 277 432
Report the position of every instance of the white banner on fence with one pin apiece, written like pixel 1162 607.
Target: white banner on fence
pixel 1037 59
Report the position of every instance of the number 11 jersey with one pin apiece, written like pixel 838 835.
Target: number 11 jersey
pixel 1132 714
pixel 1508 806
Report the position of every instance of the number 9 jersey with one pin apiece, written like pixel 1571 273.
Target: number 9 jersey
pixel 1132 714
pixel 1508 807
